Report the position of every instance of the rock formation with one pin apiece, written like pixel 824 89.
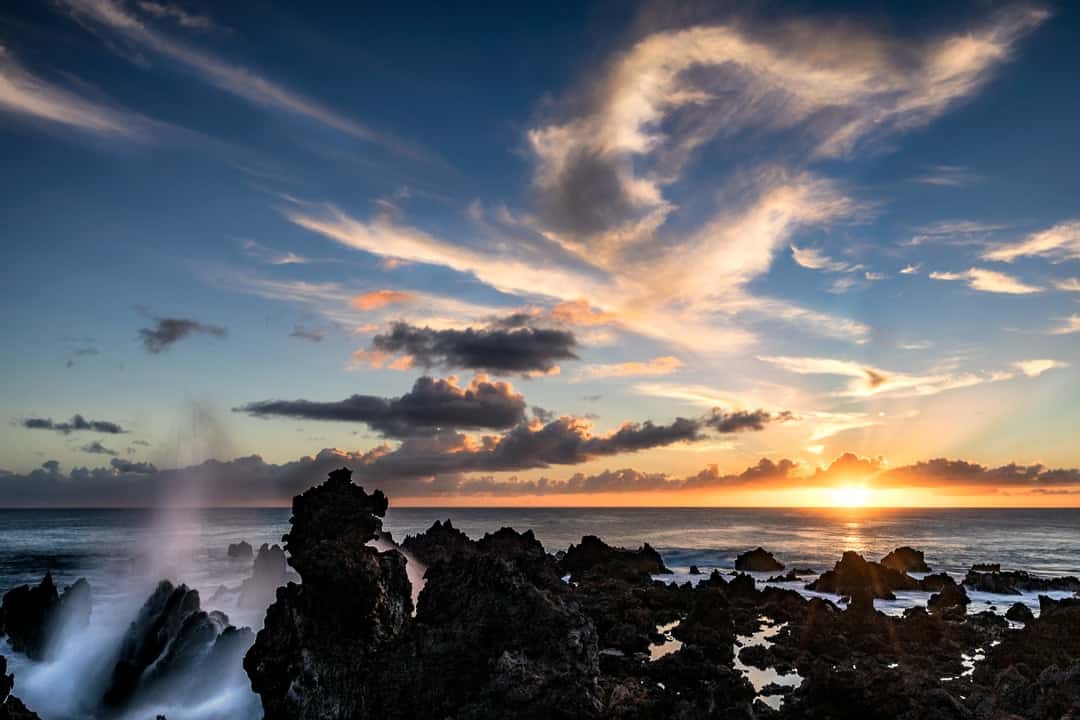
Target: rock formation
pixel 11 708
pixel 594 555
pixel 269 572
pixel 240 551
pixel 906 559
pixel 853 574
pixel 32 613
pixel 173 642
pixel 991 579
pixel 758 560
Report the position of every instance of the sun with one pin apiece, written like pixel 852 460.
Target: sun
pixel 851 496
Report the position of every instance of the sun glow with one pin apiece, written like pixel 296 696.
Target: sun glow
pixel 851 496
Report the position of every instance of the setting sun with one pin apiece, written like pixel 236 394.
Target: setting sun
pixel 851 496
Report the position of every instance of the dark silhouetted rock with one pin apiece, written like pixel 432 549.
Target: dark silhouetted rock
pixel 1014 582
pixel 439 543
pixel 34 613
pixel 986 567
pixel 593 555
pixel 496 633
pixel 950 600
pixel 11 708
pixel 854 574
pixel 758 560
pixel 906 559
pixel 694 570
pixel 789 576
pixel 172 642
pixel 324 642
pixel 241 550
pixel 1019 612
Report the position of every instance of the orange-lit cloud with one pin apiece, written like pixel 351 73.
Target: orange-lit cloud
pixel 657 366
pixel 377 299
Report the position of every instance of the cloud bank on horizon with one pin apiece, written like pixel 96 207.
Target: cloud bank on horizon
pixel 692 238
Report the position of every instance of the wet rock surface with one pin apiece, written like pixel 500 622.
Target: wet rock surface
pixel 594 556
pixel 30 614
pixel 992 579
pixel 758 560
pixel 854 575
pixel 906 559
pixel 240 551
pixel 174 643
pixel 497 633
pixel 11 708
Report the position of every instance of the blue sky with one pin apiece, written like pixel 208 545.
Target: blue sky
pixel 858 219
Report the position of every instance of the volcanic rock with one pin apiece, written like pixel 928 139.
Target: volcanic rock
pixel 439 543
pixel 950 600
pixel 593 555
pixel 1019 612
pixel 33 613
pixel 906 559
pixel 173 642
pixel 854 574
pixel 758 560
pixel 241 551
pixel 694 570
pixel 11 708
pixel 321 643
pixel 1014 582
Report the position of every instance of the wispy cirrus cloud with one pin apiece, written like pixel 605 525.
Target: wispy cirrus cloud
pixel 665 365
pixel 1070 325
pixel 870 381
pixel 235 79
pixel 955 232
pixel 1060 242
pixel 814 259
pixel 948 176
pixel 1035 368
pixel 989 281
pixel 25 94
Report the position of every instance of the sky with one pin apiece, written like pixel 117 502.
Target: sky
pixel 776 253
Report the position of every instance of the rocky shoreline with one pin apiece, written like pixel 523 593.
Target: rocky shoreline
pixel 503 629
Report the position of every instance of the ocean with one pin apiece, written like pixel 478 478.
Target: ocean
pixel 123 553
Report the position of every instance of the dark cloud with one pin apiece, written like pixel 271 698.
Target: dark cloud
pixel 848 467
pixel 496 350
pixel 741 420
pixel 431 405
pixel 766 472
pixel 96 448
pixel 75 424
pixel 543 415
pixel 566 441
pixel 941 471
pixel 589 195
pixel 314 335
pixel 168 331
pixel 127 466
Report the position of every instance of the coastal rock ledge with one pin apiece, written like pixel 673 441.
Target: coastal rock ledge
pixel 499 631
